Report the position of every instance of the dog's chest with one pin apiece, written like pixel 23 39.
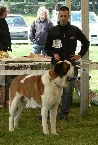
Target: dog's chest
pixel 52 96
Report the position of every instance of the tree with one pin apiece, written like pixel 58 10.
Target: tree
pixel 35 6
pixel 52 4
pixel 93 5
pixel 8 6
pixel 76 5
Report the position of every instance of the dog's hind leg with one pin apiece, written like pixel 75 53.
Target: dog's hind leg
pixel 12 110
pixel 21 106
pixel 53 113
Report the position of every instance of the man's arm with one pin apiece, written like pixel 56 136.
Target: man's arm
pixel 84 43
pixel 50 24
pixel 1 48
pixel 32 32
pixel 48 46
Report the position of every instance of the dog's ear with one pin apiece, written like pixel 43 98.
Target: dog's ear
pixel 62 68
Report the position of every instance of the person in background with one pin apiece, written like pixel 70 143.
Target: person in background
pixel 61 45
pixel 5 39
pixel 39 31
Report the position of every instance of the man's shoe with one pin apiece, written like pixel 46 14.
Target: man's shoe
pixel 63 117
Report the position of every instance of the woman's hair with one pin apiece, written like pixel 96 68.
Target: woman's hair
pixel 43 9
pixel 2 10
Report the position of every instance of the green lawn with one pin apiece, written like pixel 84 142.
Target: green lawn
pixel 29 18
pixel 77 130
pixel 25 49
pixel 20 50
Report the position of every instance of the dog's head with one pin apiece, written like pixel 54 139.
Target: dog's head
pixel 62 73
pixel 63 68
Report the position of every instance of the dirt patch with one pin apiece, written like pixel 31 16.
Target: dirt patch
pixel 2 96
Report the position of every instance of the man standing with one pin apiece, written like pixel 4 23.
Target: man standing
pixel 61 45
pixel 39 31
pixel 5 39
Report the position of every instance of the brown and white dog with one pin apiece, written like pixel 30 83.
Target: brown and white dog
pixel 44 90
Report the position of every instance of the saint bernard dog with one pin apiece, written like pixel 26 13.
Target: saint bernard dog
pixel 44 90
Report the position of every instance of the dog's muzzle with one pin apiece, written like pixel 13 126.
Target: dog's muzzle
pixel 70 79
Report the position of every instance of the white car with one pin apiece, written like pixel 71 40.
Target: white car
pixel 76 20
pixel 18 28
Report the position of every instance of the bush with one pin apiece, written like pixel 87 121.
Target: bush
pixel 21 8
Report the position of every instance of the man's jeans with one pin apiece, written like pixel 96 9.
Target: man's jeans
pixel 37 49
pixel 66 99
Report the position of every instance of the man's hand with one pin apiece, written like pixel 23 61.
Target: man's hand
pixel 56 56
pixel 75 57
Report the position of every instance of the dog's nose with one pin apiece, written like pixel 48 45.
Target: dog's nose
pixel 73 63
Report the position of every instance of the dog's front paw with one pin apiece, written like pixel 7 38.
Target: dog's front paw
pixel 15 125
pixel 90 105
pixel 11 129
pixel 53 132
pixel 46 132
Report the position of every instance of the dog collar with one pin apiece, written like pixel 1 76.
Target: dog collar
pixel 54 83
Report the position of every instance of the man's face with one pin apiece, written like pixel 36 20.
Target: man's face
pixel 63 17
pixel 4 14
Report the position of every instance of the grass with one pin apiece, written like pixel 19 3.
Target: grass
pixel 77 130
pixel 20 50
pixel 29 18
pixel 93 55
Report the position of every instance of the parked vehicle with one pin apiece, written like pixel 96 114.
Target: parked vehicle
pixel 93 24
pixel 18 28
pixel 76 20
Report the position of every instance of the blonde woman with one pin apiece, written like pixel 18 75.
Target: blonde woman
pixel 39 31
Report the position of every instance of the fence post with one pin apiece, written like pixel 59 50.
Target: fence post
pixel 84 103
